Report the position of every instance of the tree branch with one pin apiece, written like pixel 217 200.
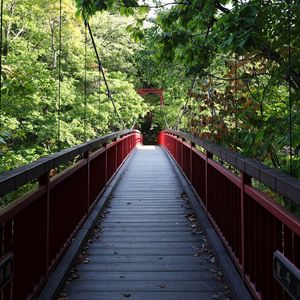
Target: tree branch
pixel 220 7
pixel 237 78
pixel 157 6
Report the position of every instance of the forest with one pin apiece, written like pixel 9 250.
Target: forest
pixel 230 71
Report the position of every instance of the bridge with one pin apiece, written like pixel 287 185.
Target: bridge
pixel 184 219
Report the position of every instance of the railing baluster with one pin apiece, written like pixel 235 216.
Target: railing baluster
pixel 245 180
pixel 208 155
pixel 45 181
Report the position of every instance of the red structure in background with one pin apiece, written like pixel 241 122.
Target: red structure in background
pixel 146 91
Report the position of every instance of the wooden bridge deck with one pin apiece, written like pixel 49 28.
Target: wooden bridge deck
pixel 150 246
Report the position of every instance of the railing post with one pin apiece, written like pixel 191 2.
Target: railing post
pixel 105 164
pixel 44 180
pixel 182 157
pixel 207 156
pixel 175 147
pixel 116 154
pixel 245 180
pixel 86 156
pixel 191 161
pixel 122 149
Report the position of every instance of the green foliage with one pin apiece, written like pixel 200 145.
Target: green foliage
pixel 29 108
pixel 89 8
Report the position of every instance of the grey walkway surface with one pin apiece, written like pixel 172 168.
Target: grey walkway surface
pixel 149 244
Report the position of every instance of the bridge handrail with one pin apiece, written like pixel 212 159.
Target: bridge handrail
pixel 261 236
pixel 278 181
pixel 13 179
pixel 38 227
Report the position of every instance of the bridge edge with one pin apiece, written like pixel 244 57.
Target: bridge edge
pixel 236 284
pixel 57 279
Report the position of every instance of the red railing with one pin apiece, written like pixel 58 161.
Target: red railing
pixel 37 228
pixel 251 225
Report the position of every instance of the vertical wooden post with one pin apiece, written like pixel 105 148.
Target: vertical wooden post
pixel 86 156
pixel 245 180
pixel 182 156
pixel 175 150
pixel 207 156
pixel 191 161
pixel 44 180
pixel 122 149
pixel 105 164
pixel 116 154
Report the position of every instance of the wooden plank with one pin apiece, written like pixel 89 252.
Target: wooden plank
pixel 149 211
pixel 153 259
pixel 157 234
pixel 130 205
pixel 147 239
pixel 150 225
pixel 146 251
pixel 145 229
pixel 97 266
pixel 141 222
pixel 146 286
pixel 145 219
pixel 133 209
pixel 147 214
pixel 186 295
pixel 149 245
pixel 145 276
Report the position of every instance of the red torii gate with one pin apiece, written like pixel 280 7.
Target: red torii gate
pixel 145 91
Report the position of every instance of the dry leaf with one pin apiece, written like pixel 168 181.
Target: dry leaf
pixel 127 295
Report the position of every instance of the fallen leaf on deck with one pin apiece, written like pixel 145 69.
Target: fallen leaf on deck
pixel 127 295
pixel 63 294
